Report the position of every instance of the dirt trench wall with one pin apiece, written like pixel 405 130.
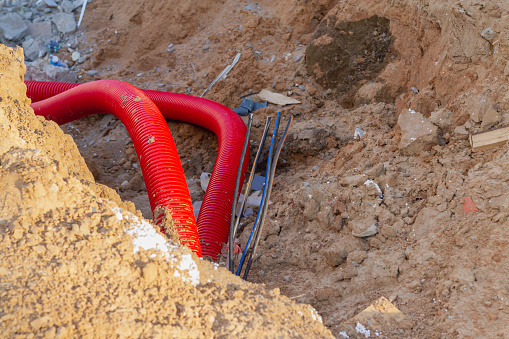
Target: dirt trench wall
pixel 75 263
pixel 443 53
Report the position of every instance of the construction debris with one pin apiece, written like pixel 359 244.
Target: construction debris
pixel 223 74
pixel 247 106
pixel 485 140
pixel 276 98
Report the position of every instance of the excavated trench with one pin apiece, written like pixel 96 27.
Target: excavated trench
pixel 331 239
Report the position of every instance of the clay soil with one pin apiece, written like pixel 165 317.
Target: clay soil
pixel 330 240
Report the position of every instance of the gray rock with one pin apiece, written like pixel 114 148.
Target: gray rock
pixel 51 3
pixel 42 29
pixel 65 22
pixel 92 73
pixel 12 26
pixel 34 48
pixel 67 6
pixel 41 70
pixel 28 16
pixel 418 134
pixel 489 34
pixel 77 3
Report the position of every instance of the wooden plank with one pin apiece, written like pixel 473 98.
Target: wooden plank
pixel 276 98
pixel 485 140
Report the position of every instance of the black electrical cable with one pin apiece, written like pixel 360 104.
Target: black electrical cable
pixel 236 193
pixel 247 192
pixel 266 203
pixel 264 196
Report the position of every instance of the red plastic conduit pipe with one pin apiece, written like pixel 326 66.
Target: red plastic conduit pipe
pixel 151 137
pixel 215 213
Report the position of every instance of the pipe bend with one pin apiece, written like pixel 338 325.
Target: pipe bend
pixel 214 218
pixel 159 160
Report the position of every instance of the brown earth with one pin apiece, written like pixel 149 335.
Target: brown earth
pixel 75 263
pixel 330 240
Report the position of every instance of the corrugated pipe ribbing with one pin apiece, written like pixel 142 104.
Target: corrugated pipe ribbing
pixel 215 213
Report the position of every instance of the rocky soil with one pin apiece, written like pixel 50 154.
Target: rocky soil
pixel 353 219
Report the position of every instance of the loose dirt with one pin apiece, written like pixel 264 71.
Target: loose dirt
pixel 423 75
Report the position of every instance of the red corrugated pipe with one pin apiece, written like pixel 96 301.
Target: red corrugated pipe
pixel 215 213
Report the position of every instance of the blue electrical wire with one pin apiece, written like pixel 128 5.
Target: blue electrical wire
pixel 269 160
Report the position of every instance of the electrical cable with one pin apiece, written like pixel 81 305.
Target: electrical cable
pixel 267 171
pixel 248 188
pixel 236 192
pixel 265 207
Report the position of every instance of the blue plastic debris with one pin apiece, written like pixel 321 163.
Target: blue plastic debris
pixel 53 46
pixel 247 106
pixel 258 182
pixel 55 61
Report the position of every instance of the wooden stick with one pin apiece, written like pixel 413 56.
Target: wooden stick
pixel 485 140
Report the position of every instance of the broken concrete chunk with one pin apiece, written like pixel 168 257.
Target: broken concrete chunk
pixel 34 48
pixel 461 132
pixel 490 118
pixel 12 26
pixel 441 117
pixel 276 98
pixel 418 134
pixel 354 180
pixel 67 6
pixel 51 3
pixel 40 29
pixel 65 22
pixel 364 227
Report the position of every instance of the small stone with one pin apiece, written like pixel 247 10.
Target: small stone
pixel 66 6
pixel 65 22
pixel 461 132
pixel 12 26
pixel 364 228
pixel 354 180
pixel 92 73
pixel 389 231
pixel 418 134
pixel 357 257
pixel 34 48
pixel 490 118
pixel 326 293
pixel 489 34
pixel 335 256
pixel 442 118
pixel 75 56
pixel 298 58
pixel 204 180
pixel 125 185
pixel 51 3
pixel 40 29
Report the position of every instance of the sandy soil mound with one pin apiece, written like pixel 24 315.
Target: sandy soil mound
pixel 75 263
